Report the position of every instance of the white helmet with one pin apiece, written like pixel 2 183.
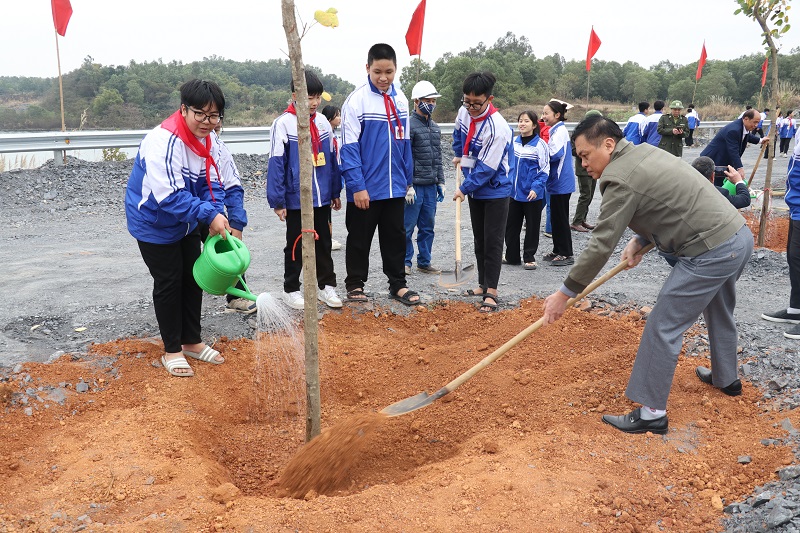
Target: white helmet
pixel 424 89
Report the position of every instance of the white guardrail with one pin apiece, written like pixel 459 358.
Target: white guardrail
pixel 59 141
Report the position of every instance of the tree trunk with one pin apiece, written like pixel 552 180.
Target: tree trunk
pixel 773 131
pixel 307 220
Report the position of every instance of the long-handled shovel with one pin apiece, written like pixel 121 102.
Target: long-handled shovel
pixel 423 399
pixel 755 167
pixel 460 275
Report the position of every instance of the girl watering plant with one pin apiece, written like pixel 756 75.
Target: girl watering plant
pixel 174 185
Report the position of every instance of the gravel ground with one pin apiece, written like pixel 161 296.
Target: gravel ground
pixel 73 276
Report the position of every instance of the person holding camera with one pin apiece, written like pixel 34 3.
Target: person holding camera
pixel 673 128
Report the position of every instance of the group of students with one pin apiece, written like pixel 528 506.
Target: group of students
pixel 667 131
pixel 184 186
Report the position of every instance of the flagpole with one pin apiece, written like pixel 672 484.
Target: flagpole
pixel 588 73
pixel 695 90
pixel 61 95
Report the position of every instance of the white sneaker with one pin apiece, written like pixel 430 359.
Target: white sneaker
pixel 294 300
pixel 335 245
pixel 329 297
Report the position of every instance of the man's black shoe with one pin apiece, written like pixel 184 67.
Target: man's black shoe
pixel 734 389
pixel 633 423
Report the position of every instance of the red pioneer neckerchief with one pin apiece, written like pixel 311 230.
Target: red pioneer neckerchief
pixel 316 144
pixel 176 124
pixel 388 102
pixel 471 132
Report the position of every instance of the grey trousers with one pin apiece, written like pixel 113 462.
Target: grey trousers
pixel 704 284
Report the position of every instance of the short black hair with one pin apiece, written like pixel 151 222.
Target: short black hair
pixel 330 111
pixel 596 128
pixel 479 83
pixel 705 166
pixel 747 107
pixel 534 118
pixel 644 106
pixel 658 105
pixel 200 93
pixel 381 51
pixel 313 84
pixel 691 106
pixel 766 110
pixel 559 108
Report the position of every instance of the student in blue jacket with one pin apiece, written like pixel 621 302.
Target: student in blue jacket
pixel 560 182
pixel 175 183
pixel 283 194
pixel 481 140
pixel 378 170
pixel 529 160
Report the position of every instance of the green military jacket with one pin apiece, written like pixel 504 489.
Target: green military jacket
pixel 669 141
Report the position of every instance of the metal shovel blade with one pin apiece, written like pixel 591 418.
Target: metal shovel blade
pixel 423 399
pixel 459 276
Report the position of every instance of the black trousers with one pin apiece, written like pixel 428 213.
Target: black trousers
pixel 531 212
pixel 489 219
pixel 785 144
pixel 177 299
pixel 690 137
pixel 559 220
pixel 204 236
pixel 322 249
pixel 793 258
pixel 387 217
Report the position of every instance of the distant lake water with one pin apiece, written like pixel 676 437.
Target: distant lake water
pixel 37 159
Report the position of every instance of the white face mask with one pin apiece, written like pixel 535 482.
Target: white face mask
pixel 426 108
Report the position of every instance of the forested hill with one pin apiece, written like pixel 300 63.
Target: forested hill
pixel 140 95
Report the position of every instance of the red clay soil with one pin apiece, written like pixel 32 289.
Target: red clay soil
pixel 777 229
pixel 519 447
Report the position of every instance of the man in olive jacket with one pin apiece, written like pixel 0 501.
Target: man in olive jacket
pixel 697 231
pixel 673 128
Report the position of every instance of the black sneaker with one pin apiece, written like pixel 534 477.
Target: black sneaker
pixel 793 333
pixel 782 316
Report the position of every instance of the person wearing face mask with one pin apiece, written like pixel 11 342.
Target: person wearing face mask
pixel 428 184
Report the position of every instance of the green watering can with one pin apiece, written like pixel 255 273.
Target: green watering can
pixel 729 186
pixel 221 265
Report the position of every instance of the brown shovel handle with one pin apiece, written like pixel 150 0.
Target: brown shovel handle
pixel 458 218
pixel 764 147
pixel 500 352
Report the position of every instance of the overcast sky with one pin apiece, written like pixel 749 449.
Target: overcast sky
pixel 146 30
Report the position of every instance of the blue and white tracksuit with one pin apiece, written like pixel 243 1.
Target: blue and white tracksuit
pixel 376 158
pixel 633 129
pixel 530 167
pixel 283 170
pixel 694 120
pixel 561 179
pixel 489 178
pixel 167 192
pixel 488 187
pixel 373 158
pixel 232 184
pixel 283 192
pixel 650 129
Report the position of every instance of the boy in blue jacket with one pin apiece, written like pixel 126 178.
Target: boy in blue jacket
pixel 481 142
pixel 283 194
pixel 378 172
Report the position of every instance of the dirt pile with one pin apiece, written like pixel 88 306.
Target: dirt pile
pixel 520 447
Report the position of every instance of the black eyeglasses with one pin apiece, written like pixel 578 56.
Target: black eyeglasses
pixel 200 116
pixel 474 106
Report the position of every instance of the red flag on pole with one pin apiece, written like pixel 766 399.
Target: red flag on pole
pixel 594 44
pixel 62 11
pixel 414 33
pixel 701 63
pixel 764 71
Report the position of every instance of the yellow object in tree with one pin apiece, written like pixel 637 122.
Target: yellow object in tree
pixel 327 18
pixel 326 96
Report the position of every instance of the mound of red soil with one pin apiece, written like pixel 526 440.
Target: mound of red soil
pixel 519 447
